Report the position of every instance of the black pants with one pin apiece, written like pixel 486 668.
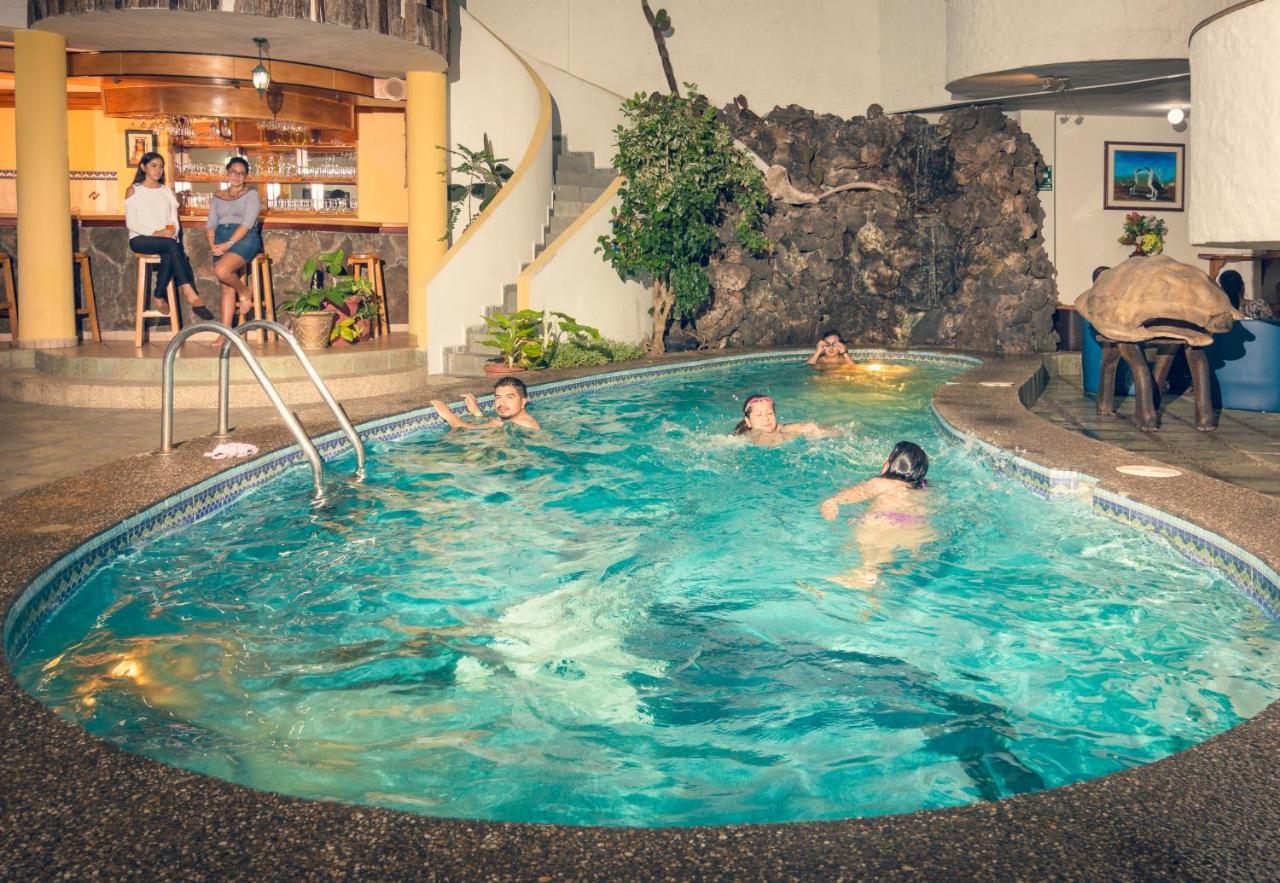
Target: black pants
pixel 173 261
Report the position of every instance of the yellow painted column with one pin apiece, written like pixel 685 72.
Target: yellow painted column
pixel 426 130
pixel 46 313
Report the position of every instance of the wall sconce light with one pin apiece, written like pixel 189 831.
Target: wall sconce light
pixel 1176 116
pixel 261 75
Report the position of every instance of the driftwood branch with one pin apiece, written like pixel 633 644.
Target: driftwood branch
pixel 662 47
pixel 778 182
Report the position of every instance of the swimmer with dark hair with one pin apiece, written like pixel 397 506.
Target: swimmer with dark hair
pixel 509 399
pixel 831 352
pixel 898 517
pixel 760 424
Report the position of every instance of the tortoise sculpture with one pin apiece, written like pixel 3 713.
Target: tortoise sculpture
pixel 1156 300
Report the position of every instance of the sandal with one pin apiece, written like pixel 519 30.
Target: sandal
pixel 160 305
pixel 199 309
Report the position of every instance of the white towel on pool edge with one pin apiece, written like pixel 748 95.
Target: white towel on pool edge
pixel 231 450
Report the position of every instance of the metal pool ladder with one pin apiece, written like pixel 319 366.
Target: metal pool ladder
pixel 234 338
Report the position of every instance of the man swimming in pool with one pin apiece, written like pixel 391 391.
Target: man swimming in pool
pixel 831 352
pixel 509 400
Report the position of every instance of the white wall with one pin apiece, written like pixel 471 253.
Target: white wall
pixel 575 280
pixel 587 114
pixel 985 36
pixel 913 54
pixel 1079 233
pixel 493 92
pixel 1235 128
pixel 824 55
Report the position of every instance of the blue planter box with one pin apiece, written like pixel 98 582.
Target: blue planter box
pixel 1246 366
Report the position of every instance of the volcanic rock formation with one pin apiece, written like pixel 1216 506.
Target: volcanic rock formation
pixel 947 253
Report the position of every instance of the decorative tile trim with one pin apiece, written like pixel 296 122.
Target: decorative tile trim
pixel 1242 568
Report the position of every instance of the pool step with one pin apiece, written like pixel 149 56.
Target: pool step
pixel 114 376
pixel 39 388
pixel 578 182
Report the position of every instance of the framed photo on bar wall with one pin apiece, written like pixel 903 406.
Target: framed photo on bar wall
pixel 136 143
pixel 1146 176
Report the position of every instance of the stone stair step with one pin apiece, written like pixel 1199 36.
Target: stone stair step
pixel 576 193
pixel 461 364
pixel 569 209
pixel 573 161
pixel 475 334
pixel 558 225
pixel 598 179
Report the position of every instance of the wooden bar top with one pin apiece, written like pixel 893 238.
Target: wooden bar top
pixel 328 223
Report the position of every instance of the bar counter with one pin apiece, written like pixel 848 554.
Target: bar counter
pixel 287 239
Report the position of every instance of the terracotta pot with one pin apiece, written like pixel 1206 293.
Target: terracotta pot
pixel 497 369
pixel 312 330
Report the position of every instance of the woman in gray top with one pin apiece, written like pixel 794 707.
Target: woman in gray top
pixel 233 236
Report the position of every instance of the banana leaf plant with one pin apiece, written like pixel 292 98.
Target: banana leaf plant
pixel 485 174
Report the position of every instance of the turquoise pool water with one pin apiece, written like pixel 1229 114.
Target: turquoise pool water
pixel 631 620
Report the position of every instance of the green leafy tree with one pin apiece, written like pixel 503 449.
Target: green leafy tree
pixel 682 174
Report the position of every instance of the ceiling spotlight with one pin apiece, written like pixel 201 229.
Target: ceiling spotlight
pixel 1176 116
pixel 261 75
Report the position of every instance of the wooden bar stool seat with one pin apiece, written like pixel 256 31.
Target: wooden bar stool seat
pixel 259 282
pixel 370 264
pixel 142 314
pixel 90 308
pixel 10 305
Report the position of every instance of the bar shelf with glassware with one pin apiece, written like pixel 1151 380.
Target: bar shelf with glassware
pixel 295 179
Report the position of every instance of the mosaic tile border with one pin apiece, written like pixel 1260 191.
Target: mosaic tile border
pixel 1242 568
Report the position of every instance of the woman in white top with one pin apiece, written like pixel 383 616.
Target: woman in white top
pixel 151 214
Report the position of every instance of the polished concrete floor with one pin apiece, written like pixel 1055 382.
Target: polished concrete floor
pixel 1244 450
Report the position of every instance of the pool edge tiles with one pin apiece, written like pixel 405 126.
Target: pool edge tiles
pixel 44 595
pixel 1242 569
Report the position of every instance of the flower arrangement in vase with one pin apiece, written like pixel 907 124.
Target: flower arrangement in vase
pixel 1145 233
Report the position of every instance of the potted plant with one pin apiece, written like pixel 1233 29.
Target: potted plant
pixel 529 339
pixel 557 328
pixel 1145 233
pixel 515 336
pixel 342 310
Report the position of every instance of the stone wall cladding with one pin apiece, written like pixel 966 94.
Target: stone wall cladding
pixel 958 261
pixel 114 268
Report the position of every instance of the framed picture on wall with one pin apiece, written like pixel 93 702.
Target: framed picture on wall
pixel 1149 177
pixel 136 143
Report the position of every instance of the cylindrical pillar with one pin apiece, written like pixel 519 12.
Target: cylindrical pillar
pixel 45 307
pixel 426 130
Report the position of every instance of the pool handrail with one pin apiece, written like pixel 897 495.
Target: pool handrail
pixel 232 339
pixel 224 385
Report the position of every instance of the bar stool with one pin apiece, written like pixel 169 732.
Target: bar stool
pixel 371 264
pixel 146 261
pixel 259 282
pixel 10 306
pixel 90 308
